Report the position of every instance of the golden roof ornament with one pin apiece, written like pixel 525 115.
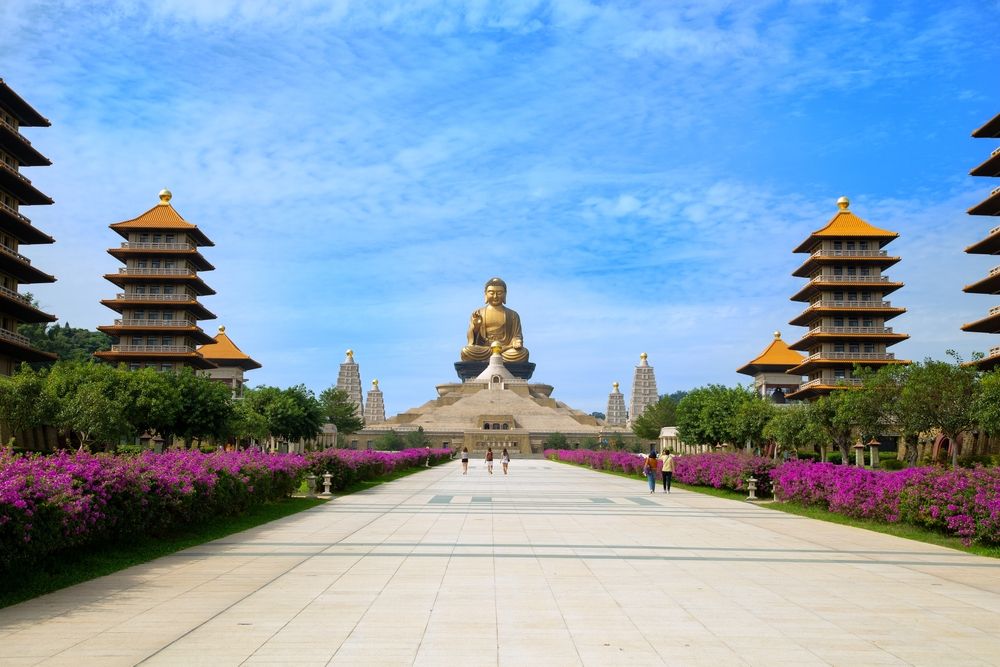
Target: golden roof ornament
pixel 615 385
pixel 375 384
pixel 496 347
pixel 165 196
pixel 222 329
pixel 844 203
pixel 643 356
pixel 777 335
pixel 350 354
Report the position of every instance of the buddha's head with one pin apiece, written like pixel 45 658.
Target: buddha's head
pixel 496 292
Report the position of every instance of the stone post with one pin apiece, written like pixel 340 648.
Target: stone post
pixel 327 478
pixel 873 452
pixel 752 488
pixel 859 454
pixel 311 485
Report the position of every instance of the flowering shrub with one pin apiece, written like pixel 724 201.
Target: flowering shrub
pixel 724 470
pixel 49 503
pixel 959 502
pixel 348 466
pixel 600 459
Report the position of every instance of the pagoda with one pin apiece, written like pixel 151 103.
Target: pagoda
pixel 17 231
pixel 230 362
pixel 769 370
pixel 846 314
pixel 374 405
pixel 616 415
pixel 349 382
pixel 160 285
pixel 987 246
pixel 643 389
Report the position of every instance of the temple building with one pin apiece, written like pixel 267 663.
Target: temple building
pixel 616 414
pixel 990 245
pixel 158 304
pixel 349 381
pixel 230 362
pixel 374 405
pixel 769 370
pixel 643 389
pixel 16 231
pixel 847 313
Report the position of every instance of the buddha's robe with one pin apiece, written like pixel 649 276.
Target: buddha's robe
pixel 489 324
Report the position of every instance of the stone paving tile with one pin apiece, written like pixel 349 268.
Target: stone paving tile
pixel 527 570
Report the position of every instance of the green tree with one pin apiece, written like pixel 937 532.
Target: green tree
pixel 86 401
pixel 150 401
pixel 390 441
pixel 341 411
pixel 68 343
pixel 705 416
pixel 246 422
pixel 987 406
pixel 791 429
pixel 555 441
pixel 831 415
pixel 204 409
pixel 24 402
pixel 662 413
pixel 751 418
pixel 416 438
pixel 946 393
pixel 290 414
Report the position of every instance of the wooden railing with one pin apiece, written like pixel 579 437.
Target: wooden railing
pixel 14 336
pixel 823 303
pixel 14 295
pixel 144 245
pixel 13 211
pixel 132 322
pixel 152 348
pixel 126 271
pixel 122 296
pixel 830 382
pixel 13 253
pixel 852 356
pixel 850 253
pixel 851 330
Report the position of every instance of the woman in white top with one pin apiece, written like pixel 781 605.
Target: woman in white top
pixel 504 460
pixel 465 460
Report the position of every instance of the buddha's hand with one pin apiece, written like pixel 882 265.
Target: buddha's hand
pixel 477 319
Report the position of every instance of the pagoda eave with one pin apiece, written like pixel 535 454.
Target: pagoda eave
pixel 811 339
pixel 191 358
pixel 814 391
pixel 756 369
pixel 22 189
pixel 193 332
pixel 988 285
pixel 191 255
pixel 813 288
pixel 814 240
pixel 989 324
pixel 987 246
pixel 989 206
pixel 188 280
pixel 134 301
pixel 23 351
pixel 991 167
pixel 21 228
pixel 22 310
pixel 816 364
pixel 25 114
pixel 18 145
pixel 987 363
pixel 23 270
pixel 245 364
pixel 989 130
pixel 200 240
pixel 809 266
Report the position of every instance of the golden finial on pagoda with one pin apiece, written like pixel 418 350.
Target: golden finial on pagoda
pixel 643 356
pixel 350 353
pixel 777 335
pixel 615 385
pixel 843 203
pixel 375 384
pixel 496 347
pixel 165 196
pixel 222 329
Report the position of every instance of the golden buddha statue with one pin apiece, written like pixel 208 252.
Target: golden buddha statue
pixel 495 323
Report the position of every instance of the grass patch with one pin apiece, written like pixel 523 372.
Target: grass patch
pixel 905 531
pixel 86 563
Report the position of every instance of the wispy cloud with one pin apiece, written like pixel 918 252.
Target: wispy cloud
pixel 638 172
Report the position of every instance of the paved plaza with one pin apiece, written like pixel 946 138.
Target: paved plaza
pixel 552 565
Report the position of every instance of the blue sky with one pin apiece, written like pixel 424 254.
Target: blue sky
pixel 638 172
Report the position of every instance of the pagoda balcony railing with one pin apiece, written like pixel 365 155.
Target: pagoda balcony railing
pixel 850 253
pixel 827 278
pixel 15 130
pixel 14 295
pixel 145 245
pixel 995 270
pixel 152 348
pixel 850 330
pixel 13 211
pixel 128 296
pixel 830 381
pixel 994 310
pixel 843 356
pixel 823 303
pixel 994 351
pixel 14 336
pixel 127 271
pixel 13 253
pixel 14 171
pixel 995 230
pixel 132 322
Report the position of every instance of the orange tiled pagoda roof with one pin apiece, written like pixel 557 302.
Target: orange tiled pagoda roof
pixel 846 225
pixel 776 358
pixel 223 352
pixel 162 217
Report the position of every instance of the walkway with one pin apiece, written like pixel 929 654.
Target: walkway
pixel 553 565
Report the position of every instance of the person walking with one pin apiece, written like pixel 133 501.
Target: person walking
pixel 489 460
pixel 465 460
pixel 667 469
pixel 504 460
pixel 649 469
